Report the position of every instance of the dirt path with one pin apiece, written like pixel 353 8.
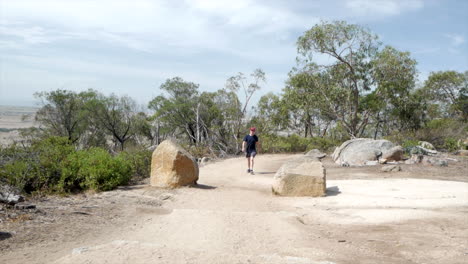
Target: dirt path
pixel 231 217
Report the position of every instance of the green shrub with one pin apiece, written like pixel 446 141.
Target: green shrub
pixel 322 144
pixel 53 165
pixel 94 169
pixel 140 161
pixel 295 143
pixel 442 132
pixel 451 144
pixel 36 167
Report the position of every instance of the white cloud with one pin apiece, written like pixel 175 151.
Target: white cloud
pixel 456 39
pixel 140 24
pixel 382 8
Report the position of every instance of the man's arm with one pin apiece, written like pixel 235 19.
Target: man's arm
pixel 243 146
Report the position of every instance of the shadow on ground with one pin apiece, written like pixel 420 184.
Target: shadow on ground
pixel 4 235
pixel 333 191
pixel 203 186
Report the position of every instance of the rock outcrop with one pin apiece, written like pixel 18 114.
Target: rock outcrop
pixel 172 166
pixel 391 168
pixel 426 145
pixel 10 195
pixel 316 154
pixel 394 154
pixel 303 176
pixel 356 152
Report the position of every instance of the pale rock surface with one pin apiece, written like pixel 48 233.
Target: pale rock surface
pixel 391 168
pixel 356 152
pixel 10 195
pixel 431 161
pixel 172 166
pixel 303 176
pixel 426 145
pixel 316 153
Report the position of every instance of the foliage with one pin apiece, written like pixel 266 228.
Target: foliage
pixel 37 167
pixel 64 113
pixel 177 109
pixel 444 134
pixel 116 115
pixel 295 143
pixel 94 169
pixel 140 161
pixel 53 165
pixel 449 89
pixel 450 144
pixel 359 83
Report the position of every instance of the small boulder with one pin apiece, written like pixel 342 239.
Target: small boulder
pixel 391 168
pixel 424 151
pixel 204 160
pixel 372 163
pixel 462 152
pixel 434 162
pixel 316 153
pixel 304 176
pixel 10 195
pixel 172 166
pixel 416 158
pixel 395 154
pixel 426 145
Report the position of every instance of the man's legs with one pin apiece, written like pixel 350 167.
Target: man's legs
pixel 252 156
pixel 248 161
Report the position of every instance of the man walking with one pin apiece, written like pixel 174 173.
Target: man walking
pixel 249 146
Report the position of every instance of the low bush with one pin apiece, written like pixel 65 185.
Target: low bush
pixel 444 134
pixel 140 162
pixel 36 167
pixel 53 165
pixel 295 143
pixel 94 169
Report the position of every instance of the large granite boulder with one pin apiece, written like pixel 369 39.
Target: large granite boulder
pixel 356 152
pixel 172 166
pixel 394 154
pixel 303 176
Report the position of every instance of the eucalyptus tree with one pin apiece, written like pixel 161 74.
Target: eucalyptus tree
pixel 64 113
pixel 449 90
pixel 359 77
pixel 176 109
pixel 117 115
pixel 240 83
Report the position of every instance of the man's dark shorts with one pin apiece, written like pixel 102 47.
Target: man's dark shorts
pixel 249 154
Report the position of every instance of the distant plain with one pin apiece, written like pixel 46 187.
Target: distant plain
pixel 13 118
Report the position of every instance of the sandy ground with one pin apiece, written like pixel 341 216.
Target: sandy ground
pixel 419 215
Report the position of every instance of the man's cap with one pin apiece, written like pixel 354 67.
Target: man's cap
pixel 253 129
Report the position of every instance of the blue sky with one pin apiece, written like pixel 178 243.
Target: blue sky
pixel 131 47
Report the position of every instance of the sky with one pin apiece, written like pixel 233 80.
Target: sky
pixel 132 47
